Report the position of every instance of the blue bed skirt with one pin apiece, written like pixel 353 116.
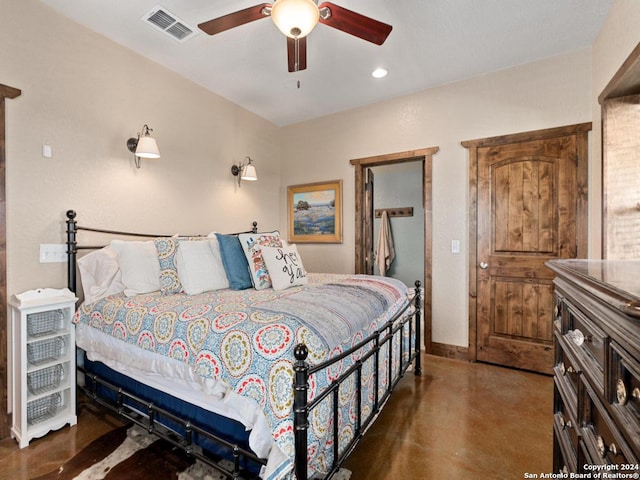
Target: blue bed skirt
pixel 230 430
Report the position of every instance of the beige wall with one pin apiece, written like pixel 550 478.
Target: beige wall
pixel 85 95
pixel 549 93
pixel 617 38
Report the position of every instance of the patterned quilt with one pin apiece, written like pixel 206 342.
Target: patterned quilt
pixel 246 339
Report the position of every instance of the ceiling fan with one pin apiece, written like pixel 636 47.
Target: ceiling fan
pixel 296 19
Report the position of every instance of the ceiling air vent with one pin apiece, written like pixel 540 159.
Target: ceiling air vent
pixel 166 21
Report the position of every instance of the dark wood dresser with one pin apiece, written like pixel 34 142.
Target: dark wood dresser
pixel 597 367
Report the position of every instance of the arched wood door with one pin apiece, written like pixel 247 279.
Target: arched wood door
pixel 528 206
pixel 5 92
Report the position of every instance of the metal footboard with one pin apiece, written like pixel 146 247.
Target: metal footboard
pixel 395 328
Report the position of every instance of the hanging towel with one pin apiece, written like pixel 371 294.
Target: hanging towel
pixel 385 253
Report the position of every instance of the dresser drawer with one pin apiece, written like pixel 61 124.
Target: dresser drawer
pixel 625 393
pixel 565 459
pixel 566 368
pixel 600 435
pixel 589 343
pixel 565 425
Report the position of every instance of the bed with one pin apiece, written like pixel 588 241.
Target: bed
pixel 275 380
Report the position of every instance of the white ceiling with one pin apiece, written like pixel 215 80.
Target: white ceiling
pixel 433 42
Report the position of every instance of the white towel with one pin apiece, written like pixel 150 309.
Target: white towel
pixel 385 253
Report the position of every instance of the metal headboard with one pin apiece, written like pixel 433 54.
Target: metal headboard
pixel 72 245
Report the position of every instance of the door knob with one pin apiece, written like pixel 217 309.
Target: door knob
pixel 484 265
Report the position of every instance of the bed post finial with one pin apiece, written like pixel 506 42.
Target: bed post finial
pixel 418 305
pixel 254 227
pixel 300 409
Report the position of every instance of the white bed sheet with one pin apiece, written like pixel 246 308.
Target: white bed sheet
pixel 179 380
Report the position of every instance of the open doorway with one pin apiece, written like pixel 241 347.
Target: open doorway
pixel 365 218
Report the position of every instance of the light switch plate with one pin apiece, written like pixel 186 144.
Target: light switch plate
pixel 53 252
pixel 47 151
pixel 455 246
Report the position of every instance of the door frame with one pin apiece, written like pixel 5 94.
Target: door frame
pixel 424 155
pixel 5 421
pixel 581 131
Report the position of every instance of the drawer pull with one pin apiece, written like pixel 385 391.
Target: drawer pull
pixel 621 392
pixel 632 308
pixel 565 423
pixel 579 338
pixel 635 393
pixel 602 448
pixel 564 369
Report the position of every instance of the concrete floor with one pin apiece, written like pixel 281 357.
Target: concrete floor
pixel 461 421
pixel 458 421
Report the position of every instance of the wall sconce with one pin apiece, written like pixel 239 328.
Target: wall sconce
pixel 245 171
pixel 144 146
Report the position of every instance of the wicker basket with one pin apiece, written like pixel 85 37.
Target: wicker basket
pixel 44 323
pixel 45 350
pixel 43 408
pixel 45 379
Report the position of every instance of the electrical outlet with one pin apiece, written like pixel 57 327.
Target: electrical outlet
pixel 53 252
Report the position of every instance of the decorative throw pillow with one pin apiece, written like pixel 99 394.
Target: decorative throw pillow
pixel 167 248
pixel 285 266
pixel 234 262
pixel 252 244
pixel 200 267
pixel 138 262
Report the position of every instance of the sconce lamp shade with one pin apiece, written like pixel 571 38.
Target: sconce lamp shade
pixel 245 171
pixel 147 148
pixel 249 173
pixel 295 18
pixel 144 146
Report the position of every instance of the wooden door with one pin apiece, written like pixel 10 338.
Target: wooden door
pixel 528 196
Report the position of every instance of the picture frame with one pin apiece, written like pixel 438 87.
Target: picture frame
pixel 315 212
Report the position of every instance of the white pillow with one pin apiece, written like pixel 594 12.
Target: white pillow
pixel 285 266
pixel 200 266
pixel 138 262
pixel 100 274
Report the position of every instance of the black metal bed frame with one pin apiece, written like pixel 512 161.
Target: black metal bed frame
pixel 148 415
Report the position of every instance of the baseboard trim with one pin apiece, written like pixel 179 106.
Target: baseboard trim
pixel 449 351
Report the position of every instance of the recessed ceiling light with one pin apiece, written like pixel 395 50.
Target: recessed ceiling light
pixel 379 73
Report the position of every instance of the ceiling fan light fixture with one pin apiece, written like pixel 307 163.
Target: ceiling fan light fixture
pixel 295 18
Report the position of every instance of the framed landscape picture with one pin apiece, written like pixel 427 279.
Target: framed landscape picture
pixel 315 212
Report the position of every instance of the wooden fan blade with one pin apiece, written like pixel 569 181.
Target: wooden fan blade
pixel 297 55
pixel 236 19
pixel 353 23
